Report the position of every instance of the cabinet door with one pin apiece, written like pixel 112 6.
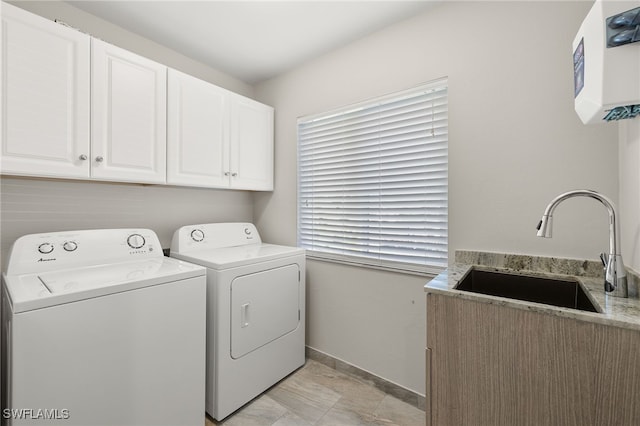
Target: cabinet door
pixel 502 366
pixel 251 144
pixel 128 116
pixel 197 154
pixel 45 94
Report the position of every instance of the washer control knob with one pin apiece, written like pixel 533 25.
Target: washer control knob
pixel 135 241
pixel 45 248
pixel 70 246
pixel 197 235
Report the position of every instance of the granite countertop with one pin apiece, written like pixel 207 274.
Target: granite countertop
pixel 615 311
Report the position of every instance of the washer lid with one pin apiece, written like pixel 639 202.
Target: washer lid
pixel 34 291
pixel 231 257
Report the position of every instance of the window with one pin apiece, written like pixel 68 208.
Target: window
pixel 372 181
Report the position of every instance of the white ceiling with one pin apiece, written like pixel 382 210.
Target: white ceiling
pixel 253 40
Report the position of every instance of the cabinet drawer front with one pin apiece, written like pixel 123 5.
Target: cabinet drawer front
pixel 128 116
pixel 45 119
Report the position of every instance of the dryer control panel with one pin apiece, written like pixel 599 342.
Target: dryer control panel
pixel 58 250
pixel 214 235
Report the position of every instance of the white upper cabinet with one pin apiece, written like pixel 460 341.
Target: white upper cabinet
pixel 216 138
pixel 197 153
pixel 128 116
pixel 251 144
pixel 76 107
pixel 45 95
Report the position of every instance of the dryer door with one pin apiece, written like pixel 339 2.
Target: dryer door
pixel 264 307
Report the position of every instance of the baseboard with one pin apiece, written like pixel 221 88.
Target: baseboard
pixel 393 389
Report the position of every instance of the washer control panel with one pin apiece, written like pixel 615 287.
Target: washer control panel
pixel 45 248
pixel 57 250
pixel 197 235
pixel 135 241
pixel 214 235
pixel 70 245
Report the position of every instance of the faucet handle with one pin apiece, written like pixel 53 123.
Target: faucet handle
pixel 608 286
pixel 605 259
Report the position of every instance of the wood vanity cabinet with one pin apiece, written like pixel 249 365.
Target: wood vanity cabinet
pixel 491 365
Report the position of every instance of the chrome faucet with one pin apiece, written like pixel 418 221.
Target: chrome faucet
pixel 615 279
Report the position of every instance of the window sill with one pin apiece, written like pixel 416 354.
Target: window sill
pixel 401 268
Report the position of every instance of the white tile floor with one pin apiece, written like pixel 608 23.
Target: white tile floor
pixel 319 395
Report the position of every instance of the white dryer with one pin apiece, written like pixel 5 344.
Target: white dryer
pixel 99 328
pixel 255 310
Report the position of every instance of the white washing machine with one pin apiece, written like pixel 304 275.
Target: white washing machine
pixel 255 310
pixel 99 328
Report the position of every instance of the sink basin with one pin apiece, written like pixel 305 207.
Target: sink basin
pixel 565 293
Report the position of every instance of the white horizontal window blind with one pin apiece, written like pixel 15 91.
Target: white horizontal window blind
pixel 372 181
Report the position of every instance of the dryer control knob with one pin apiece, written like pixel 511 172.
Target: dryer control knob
pixel 197 235
pixel 135 241
pixel 70 245
pixel 45 248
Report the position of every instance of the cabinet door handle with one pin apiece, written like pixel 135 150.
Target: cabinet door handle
pixel 83 157
pixel 234 174
pixel 99 159
pixel 226 173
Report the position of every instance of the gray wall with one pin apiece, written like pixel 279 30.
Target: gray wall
pixel 629 203
pixel 515 142
pixel 44 205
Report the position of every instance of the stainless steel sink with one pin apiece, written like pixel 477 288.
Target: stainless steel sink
pixel 566 293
